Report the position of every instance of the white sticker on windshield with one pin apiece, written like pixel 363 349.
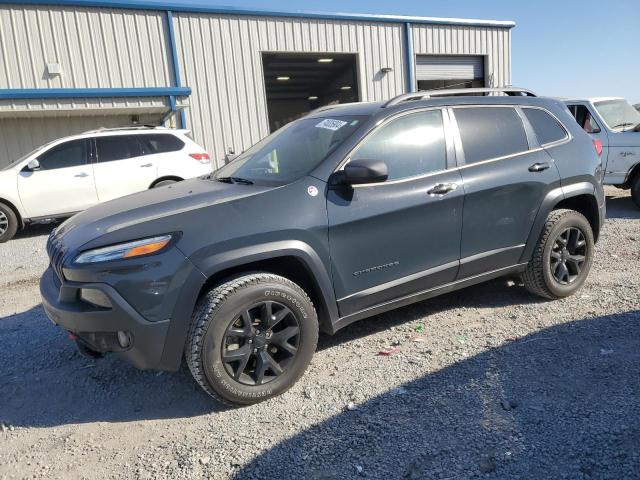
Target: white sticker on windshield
pixel 331 124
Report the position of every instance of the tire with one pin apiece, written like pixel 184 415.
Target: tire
pixel 8 223
pixel 635 189
pixel 164 183
pixel 541 274
pixel 211 337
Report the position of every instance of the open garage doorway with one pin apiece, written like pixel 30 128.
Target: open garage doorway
pixel 297 83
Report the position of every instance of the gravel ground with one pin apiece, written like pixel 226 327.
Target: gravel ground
pixel 489 382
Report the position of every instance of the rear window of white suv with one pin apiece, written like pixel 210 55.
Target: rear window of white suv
pixel 122 147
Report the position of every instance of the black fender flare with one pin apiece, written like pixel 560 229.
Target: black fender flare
pixel 210 266
pixel 553 198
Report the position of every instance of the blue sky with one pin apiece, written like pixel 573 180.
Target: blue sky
pixel 560 48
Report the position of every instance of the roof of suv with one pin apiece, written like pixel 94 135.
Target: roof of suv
pixel 591 99
pixel 373 108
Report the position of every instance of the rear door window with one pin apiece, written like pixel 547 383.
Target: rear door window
pixel 119 147
pixel 547 128
pixel 490 132
pixel 64 155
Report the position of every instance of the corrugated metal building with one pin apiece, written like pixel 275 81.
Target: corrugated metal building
pixel 228 75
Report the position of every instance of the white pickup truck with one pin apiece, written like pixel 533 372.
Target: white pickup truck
pixel 616 124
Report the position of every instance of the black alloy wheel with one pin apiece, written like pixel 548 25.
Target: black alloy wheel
pixel 260 343
pixel 568 255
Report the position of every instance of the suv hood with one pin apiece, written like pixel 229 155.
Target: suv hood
pixel 115 221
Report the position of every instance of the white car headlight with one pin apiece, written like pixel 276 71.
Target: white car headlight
pixel 136 248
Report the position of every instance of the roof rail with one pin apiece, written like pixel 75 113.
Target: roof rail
pixel 424 94
pixel 131 127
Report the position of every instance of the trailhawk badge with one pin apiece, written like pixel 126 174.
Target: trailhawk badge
pixel 311 190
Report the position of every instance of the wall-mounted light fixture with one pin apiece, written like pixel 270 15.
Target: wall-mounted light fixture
pixel 386 70
pixel 54 69
pixel 313 97
pixel 283 79
pixel 325 60
pixel 345 87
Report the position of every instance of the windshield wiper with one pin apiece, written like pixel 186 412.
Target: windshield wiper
pixel 244 181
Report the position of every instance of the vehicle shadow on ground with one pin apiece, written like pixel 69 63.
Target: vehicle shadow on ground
pixel 44 381
pixel 622 207
pixel 561 403
pixel 36 230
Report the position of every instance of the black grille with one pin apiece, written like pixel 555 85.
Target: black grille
pixel 56 253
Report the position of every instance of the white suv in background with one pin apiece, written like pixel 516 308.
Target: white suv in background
pixel 73 173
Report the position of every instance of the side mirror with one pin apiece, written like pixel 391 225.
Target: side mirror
pixel 360 172
pixel 33 165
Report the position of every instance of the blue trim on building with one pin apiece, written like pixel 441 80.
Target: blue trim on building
pixel 175 61
pixel 173 49
pixel 204 6
pixel 410 58
pixel 19 93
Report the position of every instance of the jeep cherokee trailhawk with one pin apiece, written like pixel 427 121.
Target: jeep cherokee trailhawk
pixel 348 212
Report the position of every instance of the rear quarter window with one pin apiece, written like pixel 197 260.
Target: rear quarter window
pixel 490 132
pixel 546 128
pixel 162 143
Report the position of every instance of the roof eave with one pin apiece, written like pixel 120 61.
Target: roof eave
pixel 200 6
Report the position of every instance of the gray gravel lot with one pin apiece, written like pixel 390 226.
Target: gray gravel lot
pixel 490 382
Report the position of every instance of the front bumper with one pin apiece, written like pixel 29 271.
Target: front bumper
pixel 98 327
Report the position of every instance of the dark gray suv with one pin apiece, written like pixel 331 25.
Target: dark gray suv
pixel 348 212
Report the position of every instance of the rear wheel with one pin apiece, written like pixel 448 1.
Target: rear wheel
pixel 8 223
pixel 251 338
pixel 563 256
pixel 635 189
pixel 164 183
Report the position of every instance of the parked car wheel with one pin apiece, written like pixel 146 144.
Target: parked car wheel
pixel 251 338
pixel 563 256
pixel 164 183
pixel 8 223
pixel 635 189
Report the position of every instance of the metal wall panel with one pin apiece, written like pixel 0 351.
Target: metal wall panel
pixel 96 48
pixel 493 43
pixel 19 136
pixel 220 59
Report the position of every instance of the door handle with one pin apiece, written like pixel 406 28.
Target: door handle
pixel 539 167
pixel 442 188
pixel 81 175
pixel 146 165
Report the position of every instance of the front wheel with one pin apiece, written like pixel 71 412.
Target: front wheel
pixel 251 338
pixel 563 256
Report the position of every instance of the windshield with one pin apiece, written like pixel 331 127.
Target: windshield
pixel 618 114
pixel 24 157
pixel 291 152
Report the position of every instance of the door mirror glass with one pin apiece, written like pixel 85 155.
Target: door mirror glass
pixel 33 165
pixel 360 171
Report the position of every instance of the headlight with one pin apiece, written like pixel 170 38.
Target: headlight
pixel 136 248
